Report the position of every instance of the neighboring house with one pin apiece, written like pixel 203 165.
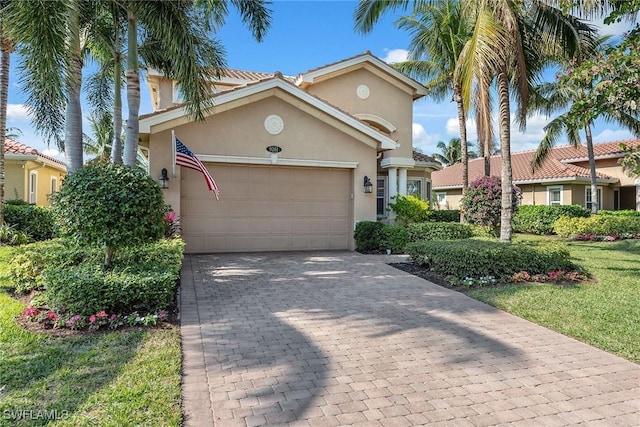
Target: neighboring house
pixel 30 175
pixel 563 178
pixel 291 155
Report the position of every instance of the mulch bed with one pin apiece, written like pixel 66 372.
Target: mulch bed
pixel 435 278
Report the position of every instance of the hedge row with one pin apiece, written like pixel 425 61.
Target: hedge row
pixel 483 258
pixel 540 219
pixel 37 222
pixel 142 278
pixel 597 224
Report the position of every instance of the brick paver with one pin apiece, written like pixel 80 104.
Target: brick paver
pixel 339 338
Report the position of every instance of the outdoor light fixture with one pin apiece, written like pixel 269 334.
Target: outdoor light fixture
pixel 164 178
pixel 368 186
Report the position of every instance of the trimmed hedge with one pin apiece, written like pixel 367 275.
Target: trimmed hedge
pixel 143 278
pixel 597 224
pixel 626 212
pixel 394 237
pixel 540 219
pixel 445 215
pixel 37 222
pixel 439 230
pixel 482 258
pixel 368 235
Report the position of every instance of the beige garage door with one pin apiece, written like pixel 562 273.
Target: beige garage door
pixel 266 208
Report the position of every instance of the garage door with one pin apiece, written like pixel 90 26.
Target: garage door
pixel 267 208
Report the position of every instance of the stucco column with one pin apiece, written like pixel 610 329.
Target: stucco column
pixel 393 183
pixel 638 195
pixel 402 181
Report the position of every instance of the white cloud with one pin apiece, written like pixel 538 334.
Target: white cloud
pixel 17 112
pixel 52 152
pixel 530 139
pixel 613 29
pixel 453 128
pixel 422 140
pixel 395 55
pixel 609 135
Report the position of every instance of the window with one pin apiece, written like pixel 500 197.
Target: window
pixel 427 186
pixel 54 185
pixel 381 199
pixel 33 187
pixel 554 195
pixel 442 198
pixel 588 199
pixel 414 187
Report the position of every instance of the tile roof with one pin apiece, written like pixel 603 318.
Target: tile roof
pixel 251 76
pixel 420 157
pixel 557 166
pixel 14 147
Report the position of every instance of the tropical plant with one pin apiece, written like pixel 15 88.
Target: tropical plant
pixel 110 205
pixel 410 209
pixel 439 32
pixel 482 203
pixel 510 43
pixel 561 94
pixel 452 153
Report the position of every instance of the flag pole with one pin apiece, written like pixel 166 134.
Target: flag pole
pixel 173 151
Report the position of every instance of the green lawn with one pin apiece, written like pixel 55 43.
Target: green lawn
pixel 604 314
pixel 125 378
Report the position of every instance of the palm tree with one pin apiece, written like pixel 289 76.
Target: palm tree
pixel 7 45
pixel 451 154
pixel 552 97
pixel 439 32
pixel 502 45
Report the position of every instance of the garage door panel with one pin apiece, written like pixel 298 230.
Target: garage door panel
pixel 264 208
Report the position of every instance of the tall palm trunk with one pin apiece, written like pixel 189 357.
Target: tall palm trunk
pixel 592 169
pixel 6 46
pixel 73 115
pixel 464 152
pixel 505 146
pixel 116 146
pixel 133 92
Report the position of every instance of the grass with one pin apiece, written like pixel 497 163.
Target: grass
pixel 604 314
pixel 124 378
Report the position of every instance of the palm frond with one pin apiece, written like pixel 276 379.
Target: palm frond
pixel 368 12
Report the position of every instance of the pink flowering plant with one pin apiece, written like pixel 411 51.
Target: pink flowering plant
pixel 482 202
pixel 48 318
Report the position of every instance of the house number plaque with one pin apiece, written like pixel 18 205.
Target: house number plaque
pixel 274 149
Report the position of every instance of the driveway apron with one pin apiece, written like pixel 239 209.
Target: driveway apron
pixel 340 338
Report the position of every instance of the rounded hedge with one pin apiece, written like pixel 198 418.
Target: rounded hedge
pixel 111 205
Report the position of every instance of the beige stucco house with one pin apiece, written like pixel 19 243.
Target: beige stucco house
pixel 290 155
pixel 30 175
pixel 563 178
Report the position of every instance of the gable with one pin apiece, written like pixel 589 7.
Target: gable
pixel 278 88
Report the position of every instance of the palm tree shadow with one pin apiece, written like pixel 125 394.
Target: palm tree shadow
pixel 270 333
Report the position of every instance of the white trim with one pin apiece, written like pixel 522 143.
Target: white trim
pixel 600 190
pixel 32 189
pixel 444 199
pixel 35 158
pixel 376 119
pixel 586 159
pixel 281 162
pixel 551 188
pixel 310 76
pixel 386 143
pixel 397 162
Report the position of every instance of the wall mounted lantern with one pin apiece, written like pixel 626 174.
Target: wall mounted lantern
pixel 164 178
pixel 368 186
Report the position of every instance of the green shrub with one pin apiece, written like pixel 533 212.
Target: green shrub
pixel 410 209
pixel 445 215
pixel 539 219
pixel 368 236
pixel 10 236
pixel 483 258
pixel 16 202
pixel 626 212
pixel 29 261
pixel 37 222
pixel 394 237
pixel 482 202
pixel 439 230
pixel 110 205
pixel 597 224
pixel 143 279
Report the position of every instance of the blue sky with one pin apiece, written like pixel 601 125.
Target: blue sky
pixel 308 34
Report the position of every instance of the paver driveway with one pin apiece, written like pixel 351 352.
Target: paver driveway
pixel 339 338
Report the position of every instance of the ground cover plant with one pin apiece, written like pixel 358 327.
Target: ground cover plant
pixel 127 377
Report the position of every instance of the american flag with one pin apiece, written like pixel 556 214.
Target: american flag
pixel 184 157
